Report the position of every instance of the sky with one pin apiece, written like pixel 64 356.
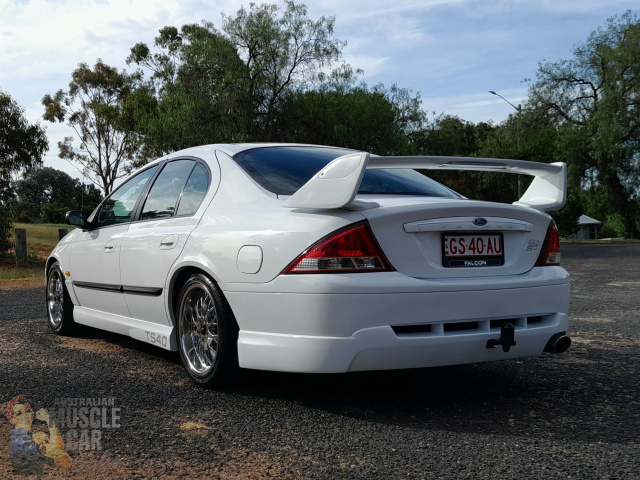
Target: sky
pixel 451 52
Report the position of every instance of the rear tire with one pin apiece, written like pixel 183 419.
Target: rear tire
pixel 59 304
pixel 207 333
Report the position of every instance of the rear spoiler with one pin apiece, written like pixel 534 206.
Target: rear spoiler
pixel 337 184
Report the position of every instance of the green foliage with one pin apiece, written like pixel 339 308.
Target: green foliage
pixel 44 186
pixel 592 101
pixel 195 94
pixel 24 218
pixel 283 52
pixel 567 218
pixel 356 118
pixel 612 227
pixel 209 86
pixel 451 136
pixel 52 214
pixel 86 198
pixel 54 189
pixel 93 107
pixel 5 230
pixel 22 145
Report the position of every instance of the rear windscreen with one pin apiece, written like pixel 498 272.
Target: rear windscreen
pixel 283 170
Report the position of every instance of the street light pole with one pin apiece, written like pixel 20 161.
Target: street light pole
pixel 518 109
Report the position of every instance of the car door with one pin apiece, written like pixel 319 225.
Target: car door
pixel 153 242
pixel 94 257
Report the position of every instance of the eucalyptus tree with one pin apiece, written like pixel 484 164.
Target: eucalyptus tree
pixel 93 107
pixel 22 146
pixel 594 101
pixel 193 91
pixel 284 51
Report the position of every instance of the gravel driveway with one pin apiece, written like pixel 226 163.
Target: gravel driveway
pixel 575 415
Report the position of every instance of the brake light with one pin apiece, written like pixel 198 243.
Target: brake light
pixel 550 253
pixel 350 250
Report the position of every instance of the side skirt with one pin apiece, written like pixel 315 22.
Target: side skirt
pixel 159 335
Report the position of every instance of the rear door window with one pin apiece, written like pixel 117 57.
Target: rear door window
pixel 163 198
pixel 194 191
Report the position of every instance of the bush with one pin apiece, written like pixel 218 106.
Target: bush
pixel 51 214
pixel 612 227
pixel 24 218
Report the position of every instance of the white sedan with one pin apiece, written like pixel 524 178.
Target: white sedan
pixel 304 258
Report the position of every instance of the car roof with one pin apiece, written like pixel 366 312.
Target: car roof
pixel 234 148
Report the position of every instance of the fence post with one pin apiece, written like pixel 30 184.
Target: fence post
pixel 21 247
pixel 62 232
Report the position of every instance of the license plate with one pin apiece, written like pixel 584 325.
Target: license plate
pixel 472 250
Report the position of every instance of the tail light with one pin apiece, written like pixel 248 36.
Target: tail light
pixel 550 253
pixel 350 250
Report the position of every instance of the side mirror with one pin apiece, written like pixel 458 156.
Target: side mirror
pixel 76 218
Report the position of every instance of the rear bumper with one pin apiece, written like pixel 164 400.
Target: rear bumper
pixel 332 332
pixel 379 348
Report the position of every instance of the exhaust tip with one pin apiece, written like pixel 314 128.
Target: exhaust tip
pixel 559 343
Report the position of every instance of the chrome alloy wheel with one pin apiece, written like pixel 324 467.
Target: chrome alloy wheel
pixel 55 298
pixel 199 329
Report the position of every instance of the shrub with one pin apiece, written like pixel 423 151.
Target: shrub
pixel 51 214
pixel 24 218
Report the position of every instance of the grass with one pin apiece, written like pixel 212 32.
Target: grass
pixel 42 233
pixel 41 239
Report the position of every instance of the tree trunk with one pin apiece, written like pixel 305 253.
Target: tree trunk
pixel 624 205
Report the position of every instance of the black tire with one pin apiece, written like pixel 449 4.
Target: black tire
pixel 59 304
pixel 207 333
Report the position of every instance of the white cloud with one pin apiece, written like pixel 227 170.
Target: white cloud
pixel 371 65
pixel 477 106
pixel 452 51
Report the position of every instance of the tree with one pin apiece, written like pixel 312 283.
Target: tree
pixel 208 86
pixel 451 136
pixel 195 93
pixel 52 190
pixel 93 107
pixel 44 186
pixel 593 100
pixel 357 119
pixel 282 54
pixel 22 145
pixel 375 120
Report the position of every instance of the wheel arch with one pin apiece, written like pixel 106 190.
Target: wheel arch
pixel 177 279
pixel 50 261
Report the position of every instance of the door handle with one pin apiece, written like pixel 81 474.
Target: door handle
pixel 110 246
pixel 168 242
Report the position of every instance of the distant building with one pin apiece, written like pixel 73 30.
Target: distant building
pixel 587 228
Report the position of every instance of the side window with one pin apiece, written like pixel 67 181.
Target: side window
pixel 119 207
pixel 163 196
pixel 194 191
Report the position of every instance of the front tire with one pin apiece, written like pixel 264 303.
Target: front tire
pixel 207 333
pixel 59 304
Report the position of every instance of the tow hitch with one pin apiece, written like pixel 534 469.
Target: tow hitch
pixel 506 338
